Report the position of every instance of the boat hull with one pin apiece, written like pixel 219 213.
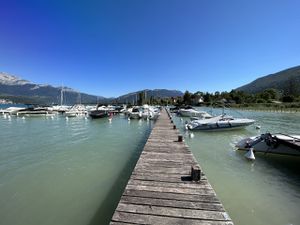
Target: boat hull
pixel 98 114
pixel 135 116
pixel 264 147
pixel 215 128
pixel 219 126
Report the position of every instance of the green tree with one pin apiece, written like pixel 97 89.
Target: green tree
pixel 207 97
pixel 141 98
pixel 187 98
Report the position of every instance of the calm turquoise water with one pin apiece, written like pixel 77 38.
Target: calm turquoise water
pixel 263 192
pixel 54 171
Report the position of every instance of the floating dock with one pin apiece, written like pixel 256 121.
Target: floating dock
pixel 167 185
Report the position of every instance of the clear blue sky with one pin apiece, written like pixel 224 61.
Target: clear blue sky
pixel 113 47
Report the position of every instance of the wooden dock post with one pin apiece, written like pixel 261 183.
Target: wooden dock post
pixel 180 138
pixel 167 187
pixel 196 173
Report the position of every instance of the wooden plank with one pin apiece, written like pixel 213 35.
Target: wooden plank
pixel 175 196
pixel 181 171
pixel 192 185
pixel 171 190
pixel 171 178
pixel 159 220
pixel 172 203
pixel 173 212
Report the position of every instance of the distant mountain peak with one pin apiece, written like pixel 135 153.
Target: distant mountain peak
pixel 8 79
pixel 23 91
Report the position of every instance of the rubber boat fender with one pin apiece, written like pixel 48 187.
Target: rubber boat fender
pixel 229 124
pixel 186 126
pixel 250 154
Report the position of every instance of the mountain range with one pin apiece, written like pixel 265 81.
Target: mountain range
pixel 285 81
pixel 23 91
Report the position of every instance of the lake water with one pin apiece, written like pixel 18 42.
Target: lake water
pixel 54 171
pixel 58 171
pixel 263 192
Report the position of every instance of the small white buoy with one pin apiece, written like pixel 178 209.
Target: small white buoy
pixel 250 155
pixel 191 135
pixel 257 127
pixel 110 119
pixel 5 116
pixel 67 118
pixel 186 127
pixel 128 118
pixel 23 118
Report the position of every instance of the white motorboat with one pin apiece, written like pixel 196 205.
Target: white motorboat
pixel 99 112
pixel 221 122
pixel 194 113
pixel 31 111
pixel 76 110
pixel 150 112
pixel 11 110
pixel 154 115
pixel 278 143
pixel 60 108
pixel 136 113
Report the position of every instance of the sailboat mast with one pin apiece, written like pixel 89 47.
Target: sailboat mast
pixel 79 97
pixel 61 95
pixel 136 99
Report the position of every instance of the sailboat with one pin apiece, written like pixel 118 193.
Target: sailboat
pixel 77 109
pixel 61 108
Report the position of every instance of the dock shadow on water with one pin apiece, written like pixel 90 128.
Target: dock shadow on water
pixel 289 166
pixel 107 207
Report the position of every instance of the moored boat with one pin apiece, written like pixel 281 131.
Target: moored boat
pixel 136 113
pixel 34 111
pixel 99 112
pixel 277 143
pixel 221 122
pixel 190 112
pixel 11 110
pixel 150 112
pixel 76 110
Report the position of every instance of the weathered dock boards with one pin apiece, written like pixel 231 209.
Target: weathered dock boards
pixel 160 189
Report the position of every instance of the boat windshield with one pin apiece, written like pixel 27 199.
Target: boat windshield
pixel 135 110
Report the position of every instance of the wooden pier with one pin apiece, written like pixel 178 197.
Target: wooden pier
pixel 164 187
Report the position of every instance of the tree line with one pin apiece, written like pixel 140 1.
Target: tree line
pixel 234 97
